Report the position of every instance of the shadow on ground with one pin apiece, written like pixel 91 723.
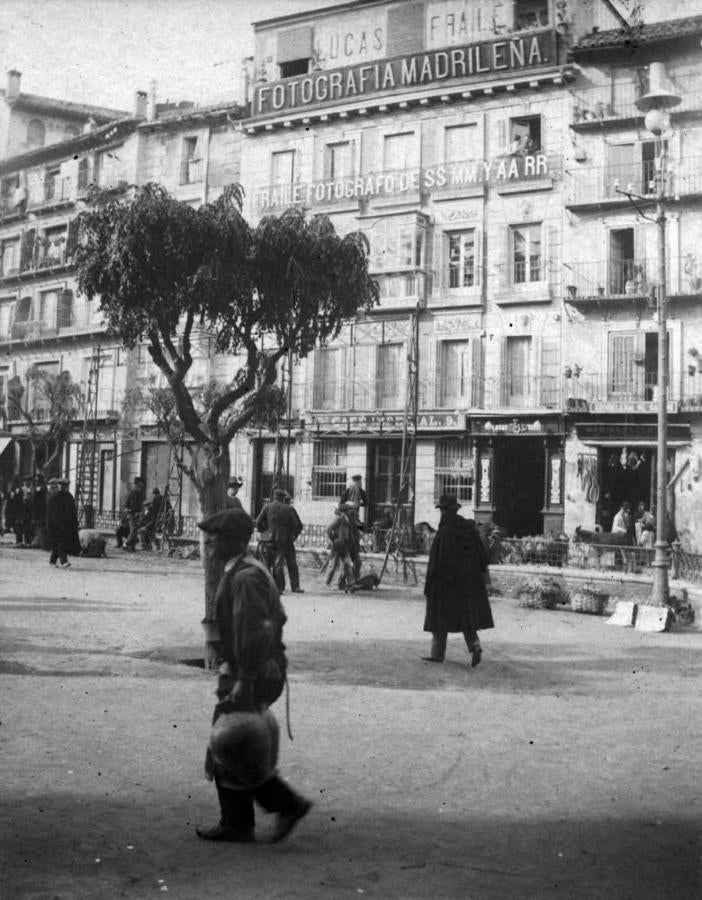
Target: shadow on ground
pixel 100 847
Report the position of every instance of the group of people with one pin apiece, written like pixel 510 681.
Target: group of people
pixel 141 519
pixel 639 526
pixel 242 753
pixel 25 511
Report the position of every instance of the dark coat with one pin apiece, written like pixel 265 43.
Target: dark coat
pixel 280 520
pixel 455 589
pixel 62 522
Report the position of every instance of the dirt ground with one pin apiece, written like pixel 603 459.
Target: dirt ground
pixel 565 766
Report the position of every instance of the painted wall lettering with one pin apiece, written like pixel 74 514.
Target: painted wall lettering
pixel 467 62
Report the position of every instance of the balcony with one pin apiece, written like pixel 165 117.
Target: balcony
pixel 69 321
pixel 192 171
pixel 590 187
pixel 56 190
pixel 401 290
pixel 630 281
pixel 613 105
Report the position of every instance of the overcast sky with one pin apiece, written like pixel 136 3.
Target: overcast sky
pixel 102 51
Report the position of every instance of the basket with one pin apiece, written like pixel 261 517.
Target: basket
pixel 587 600
pixel 539 593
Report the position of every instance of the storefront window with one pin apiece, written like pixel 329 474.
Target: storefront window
pixel 328 469
pixel 453 469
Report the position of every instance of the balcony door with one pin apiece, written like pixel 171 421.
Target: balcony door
pixel 622 262
pixel 518 369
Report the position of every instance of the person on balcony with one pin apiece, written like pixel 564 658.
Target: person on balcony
pixel 455 586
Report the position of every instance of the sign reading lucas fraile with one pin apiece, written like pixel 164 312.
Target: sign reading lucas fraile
pixel 470 62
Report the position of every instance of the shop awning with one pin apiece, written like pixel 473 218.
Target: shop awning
pixel 5 442
pixel 631 434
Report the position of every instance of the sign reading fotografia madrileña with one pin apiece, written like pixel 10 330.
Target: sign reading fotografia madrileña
pixel 471 62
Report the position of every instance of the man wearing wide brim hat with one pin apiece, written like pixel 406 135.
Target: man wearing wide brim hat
pixel 61 523
pixel 242 754
pixel 455 588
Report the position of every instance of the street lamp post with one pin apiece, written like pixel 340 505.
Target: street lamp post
pixel 655 104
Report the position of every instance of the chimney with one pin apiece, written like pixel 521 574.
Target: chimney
pixel 246 78
pixel 151 103
pixel 13 85
pixel 140 104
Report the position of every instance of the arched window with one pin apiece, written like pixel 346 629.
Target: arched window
pixel 36 133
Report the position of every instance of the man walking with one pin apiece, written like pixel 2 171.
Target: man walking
pixel 134 508
pixel 250 619
pixel 282 522
pixel 344 551
pixel 455 588
pixel 61 523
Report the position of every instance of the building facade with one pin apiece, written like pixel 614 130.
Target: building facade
pixel 494 157
pixel 441 130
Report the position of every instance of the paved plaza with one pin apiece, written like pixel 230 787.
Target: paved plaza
pixel 565 766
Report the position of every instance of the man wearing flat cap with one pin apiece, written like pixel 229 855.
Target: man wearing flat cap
pixel 249 618
pixel 455 591
pixel 281 522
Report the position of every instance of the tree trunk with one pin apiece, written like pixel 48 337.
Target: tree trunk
pixel 210 477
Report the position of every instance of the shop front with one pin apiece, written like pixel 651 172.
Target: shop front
pixel 616 462
pixel 519 474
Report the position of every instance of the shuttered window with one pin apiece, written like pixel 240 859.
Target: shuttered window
pixel 328 469
pixel 326 386
pixel 455 374
pixel 388 376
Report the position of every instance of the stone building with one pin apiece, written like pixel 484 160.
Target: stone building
pixel 611 269
pixel 442 130
pixel 44 322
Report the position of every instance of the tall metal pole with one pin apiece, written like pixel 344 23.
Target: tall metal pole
pixel 660 590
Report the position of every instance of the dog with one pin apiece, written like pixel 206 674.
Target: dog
pixel 364 583
pixel 92 544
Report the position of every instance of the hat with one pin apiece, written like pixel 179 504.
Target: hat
pixel 229 523
pixel 448 501
pixel 52 481
pixel 357 478
pixel 155 491
pixel 235 482
pixel 278 494
pixel 62 481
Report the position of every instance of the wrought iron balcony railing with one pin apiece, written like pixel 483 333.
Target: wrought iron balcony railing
pixel 633 279
pixel 592 185
pixel 617 102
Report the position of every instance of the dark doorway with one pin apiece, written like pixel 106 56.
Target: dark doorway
pixel 385 470
pixel 625 474
pixel 519 485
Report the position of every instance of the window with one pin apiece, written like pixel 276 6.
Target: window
pixel 526 253
pixel 326 384
pixel 23 312
pixel 530 14
pixel 461 259
pixel 52 247
pixel 389 376
pixel 625 270
pixel 633 365
pixel 399 151
pixel 455 381
pixel 517 372
pixel 4 378
pixel 83 174
pixel 461 143
pixel 191 164
pixel 39 403
pixel 65 309
pixel 52 184
pixel 282 167
pixel 36 133
pixel 6 307
pixel 453 469
pixel 328 469
pixel 397 243
pixel 10 256
pixel 47 309
pixel 631 167
pixel 524 135
pixel 339 160
pixel 294 67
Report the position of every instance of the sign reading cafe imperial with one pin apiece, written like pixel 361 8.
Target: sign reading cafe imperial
pixel 471 61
